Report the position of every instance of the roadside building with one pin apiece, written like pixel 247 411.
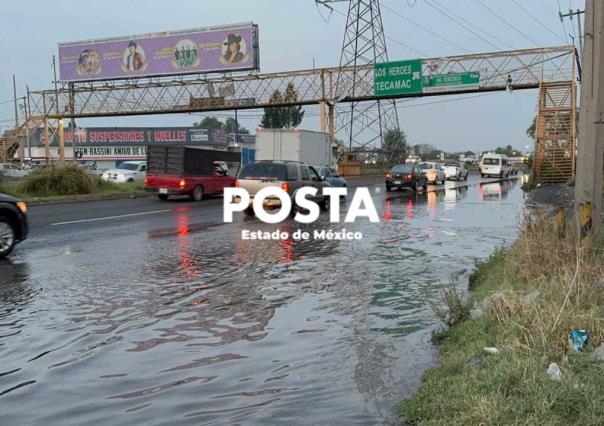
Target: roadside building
pixel 107 147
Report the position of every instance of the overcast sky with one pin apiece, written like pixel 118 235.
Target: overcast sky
pixel 293 34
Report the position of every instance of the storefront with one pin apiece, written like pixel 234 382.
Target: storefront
pixel 109 146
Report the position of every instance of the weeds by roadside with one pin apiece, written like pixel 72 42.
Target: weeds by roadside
pixel 547 284
pixel 64 181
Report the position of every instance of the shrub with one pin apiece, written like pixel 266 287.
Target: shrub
pixel 61 180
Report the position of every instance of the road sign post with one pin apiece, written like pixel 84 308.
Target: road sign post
pixel 397 78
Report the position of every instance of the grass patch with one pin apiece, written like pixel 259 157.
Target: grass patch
pixel 512 387
pixel 56 182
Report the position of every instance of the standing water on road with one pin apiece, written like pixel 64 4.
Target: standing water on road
pixel 186 323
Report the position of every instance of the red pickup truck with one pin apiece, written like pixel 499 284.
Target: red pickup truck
pixel 186 170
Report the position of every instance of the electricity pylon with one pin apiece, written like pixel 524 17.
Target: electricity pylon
pixel 365 124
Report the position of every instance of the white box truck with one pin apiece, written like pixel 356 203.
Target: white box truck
pixel 310 147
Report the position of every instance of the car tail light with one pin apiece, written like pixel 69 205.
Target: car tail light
pixel 146 181
pixel 409 176
pixel 182 183
pixel 237 184
pixel 22 206
pixel 388 176
pixel 285 186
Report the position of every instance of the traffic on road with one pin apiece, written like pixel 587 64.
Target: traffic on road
pixel 147 309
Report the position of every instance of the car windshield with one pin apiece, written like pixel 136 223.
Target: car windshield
pixel 264 170
pixel 402 169
pixel 451 164
pixel 426 166
pixel 491 161
pixel 128 166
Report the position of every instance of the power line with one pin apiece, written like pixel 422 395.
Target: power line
pixel 562 23
pixel 475 26
pixel 429 31
pixel 461 25
pixel 537 20
pixel 498 16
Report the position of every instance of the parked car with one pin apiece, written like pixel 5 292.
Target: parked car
pixel 433 171
pixel 13 223
pixel 494 165
pixel 406 176
pixel 455 170
pixel 128 171
pixel 192 171
pixel 13 171
pixel 331 176
pixel 288 175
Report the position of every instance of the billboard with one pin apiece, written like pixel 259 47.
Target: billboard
pixel 201 50
pixel 138 136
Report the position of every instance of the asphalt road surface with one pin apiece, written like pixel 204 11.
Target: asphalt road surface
pixel 142 311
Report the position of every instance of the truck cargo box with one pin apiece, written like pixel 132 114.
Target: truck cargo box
pixel 186 160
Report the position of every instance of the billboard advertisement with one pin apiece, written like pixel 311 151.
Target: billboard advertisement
pixel 202 50
pixel 139 136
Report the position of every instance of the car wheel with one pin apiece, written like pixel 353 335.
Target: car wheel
pixel 162 197
pixel 197 193
pixel 465 177
pixel 7 236
pixel 388 188
pixel 482 175
pixel 130 180
pixel 414 187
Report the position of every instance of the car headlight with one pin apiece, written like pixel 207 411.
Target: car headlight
pixel 105 175
pixel 121 176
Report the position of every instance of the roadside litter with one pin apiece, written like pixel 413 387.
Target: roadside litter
pixel 554 372
pixel 577 339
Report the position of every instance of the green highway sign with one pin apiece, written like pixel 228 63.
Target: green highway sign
pixel 397 78
pixel 451 82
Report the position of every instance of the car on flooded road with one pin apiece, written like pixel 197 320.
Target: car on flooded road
pixel 331 176
pixel 13 223
pixel 455 170
pixel 406 176
pixel 433 171
pixel 287 175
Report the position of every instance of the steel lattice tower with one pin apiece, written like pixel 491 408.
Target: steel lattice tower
pixel 364 124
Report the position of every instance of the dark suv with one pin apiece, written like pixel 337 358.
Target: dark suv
pixel 13 223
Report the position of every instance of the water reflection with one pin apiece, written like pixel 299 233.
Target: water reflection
pixel 495 191
pixel 189 322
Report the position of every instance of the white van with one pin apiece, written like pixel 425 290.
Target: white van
pixel 494 165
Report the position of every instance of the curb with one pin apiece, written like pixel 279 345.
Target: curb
pixel 68 199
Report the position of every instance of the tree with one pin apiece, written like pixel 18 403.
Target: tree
pixel 394 146
pixel 230 127
pixel 293 114
pixel 530 131
pixel 210 123
pixel 283 117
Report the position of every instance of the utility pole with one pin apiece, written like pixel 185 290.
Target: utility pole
pixel 236 129
pixel 21 149
pixel 590 156
pixel 60 128
pixel 73 126
pixel 570 15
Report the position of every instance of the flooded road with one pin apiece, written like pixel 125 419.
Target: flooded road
pixel 172 318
